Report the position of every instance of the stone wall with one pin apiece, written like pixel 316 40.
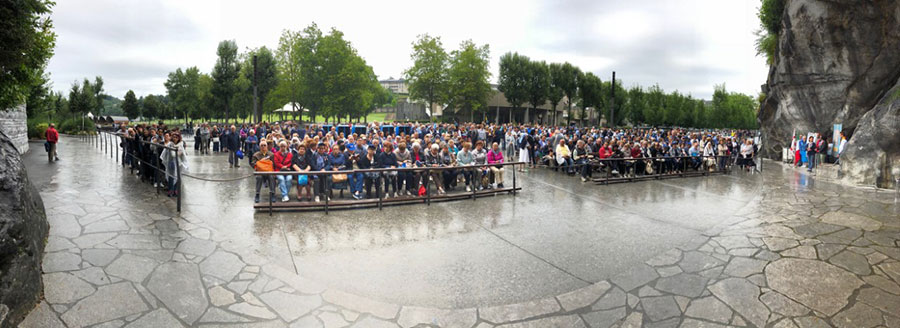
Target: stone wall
pixel 835 61
pixel 13 124
pixel 23 231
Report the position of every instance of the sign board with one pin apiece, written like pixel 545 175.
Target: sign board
pixel 837 138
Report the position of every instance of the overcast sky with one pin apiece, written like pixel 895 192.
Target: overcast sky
pixel 688 45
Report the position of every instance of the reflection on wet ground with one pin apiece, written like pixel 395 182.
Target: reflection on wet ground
pixel 694 251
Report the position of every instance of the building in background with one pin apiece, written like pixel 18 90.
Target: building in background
pixel 397 86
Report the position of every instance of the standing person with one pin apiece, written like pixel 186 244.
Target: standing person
pixel 522 144
pixel 801 151
pixel 267 165
pixel 173 158
pixel 52 137
pixel 495 156
pixel 841 147
pixel 233 144
pixel 204 139
pixel 811 154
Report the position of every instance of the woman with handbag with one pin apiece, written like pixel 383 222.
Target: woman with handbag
pixel 338 163
pixel 387 159
pixel 261 161
pixel 300 163
pixel 283 163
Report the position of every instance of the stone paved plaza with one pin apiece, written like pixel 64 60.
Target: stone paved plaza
pixel 750 250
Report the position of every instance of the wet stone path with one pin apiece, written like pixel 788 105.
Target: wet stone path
pixel 789 252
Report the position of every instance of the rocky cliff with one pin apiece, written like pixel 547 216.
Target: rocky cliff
pixel 837 61
pixel 23 231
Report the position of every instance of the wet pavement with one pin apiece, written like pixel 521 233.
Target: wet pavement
pixel 771 249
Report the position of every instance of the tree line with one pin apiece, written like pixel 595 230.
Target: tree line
pixel 310 70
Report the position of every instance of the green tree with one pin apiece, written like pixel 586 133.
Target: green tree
pixel 622 107
pixel 183 91
pixel 427 77
pixel 568 83
pixel 97 87
pixel 555 92
pixel 770 12
pixel 346 79
pixel 537 85
pixel 636 105
pixel 130 105
pixel 288 59
pixel 311 72
pixel 513 80
pixel 653 112
pixel 266 73
pixel 225 73
pixel 590 90
pixel 469 75
pixel 26 43
pixel 152 107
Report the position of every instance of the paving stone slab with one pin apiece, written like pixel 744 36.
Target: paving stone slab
pixel 684 284
pixel 614 298
pixel 742 296
pixel 818 285
pixel 222 265
pixel 604 318
pixel 853 262
pixel 634 277
pixel 289 306
pixel 363 305
pixel 214 314
pixel 155 319
pixel 372 322
pixel 108 303
pixel 697 261
pixel 411 316
pixel 659 308
pixel 63 288
pixel 61 261
pixel 252 310
pixel 571 320
pixel 779 303
pixel 709 308
pixel 858 316
pixel 99 257
pixel 877 298
pixel 518 311
pixel 194 246
pixel 178 286
pixel 132 267
pixel 583 297
pixel 743 267
pixel 41 317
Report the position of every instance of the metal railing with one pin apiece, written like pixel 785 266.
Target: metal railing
pixel 627 169
pixel 380 201
pixel 110 142
pixel 660 167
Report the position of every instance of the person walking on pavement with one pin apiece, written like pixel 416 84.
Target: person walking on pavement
pixel 232 143
pixel 52 138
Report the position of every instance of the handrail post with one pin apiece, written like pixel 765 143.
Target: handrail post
pixel 514 180
pixel 427 192
pixel 472 183
pixel 116 146
pixel 177 182
pixel 271 184
pixel 327 188
pixel 378 188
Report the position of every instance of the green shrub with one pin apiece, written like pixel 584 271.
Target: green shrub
pixel 36 131
pixel 73 126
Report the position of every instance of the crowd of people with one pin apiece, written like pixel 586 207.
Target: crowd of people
pixel 460 156
pixel 289 146
pixel 154 151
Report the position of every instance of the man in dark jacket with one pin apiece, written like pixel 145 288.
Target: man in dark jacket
pixel 232 142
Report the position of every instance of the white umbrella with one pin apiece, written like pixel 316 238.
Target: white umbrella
pixel 289 107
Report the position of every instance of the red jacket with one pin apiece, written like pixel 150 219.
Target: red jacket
pixel 282 160
pixel 604 152
pixel 52 135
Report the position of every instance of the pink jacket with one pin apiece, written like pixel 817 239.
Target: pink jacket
pixel 494 158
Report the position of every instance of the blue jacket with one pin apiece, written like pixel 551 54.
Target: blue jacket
pixel 337 160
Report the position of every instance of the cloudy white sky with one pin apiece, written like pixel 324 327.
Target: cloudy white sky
pixel 688 45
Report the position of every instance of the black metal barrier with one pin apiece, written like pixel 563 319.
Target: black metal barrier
pixel 110 143
pixel 381 201
pixel 636 169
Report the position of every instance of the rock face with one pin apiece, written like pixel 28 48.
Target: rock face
pixel 835 61
pixel 23 230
